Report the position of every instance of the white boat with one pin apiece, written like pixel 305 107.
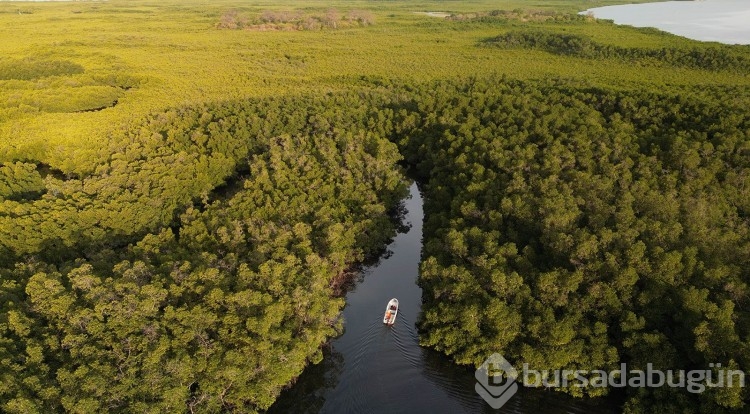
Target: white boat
pixel 390 312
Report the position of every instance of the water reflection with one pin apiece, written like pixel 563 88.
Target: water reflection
pixel 307 395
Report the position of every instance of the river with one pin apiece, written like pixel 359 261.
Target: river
pixel 374 368
pixel 725 21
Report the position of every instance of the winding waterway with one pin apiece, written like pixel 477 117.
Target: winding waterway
pixel 373 368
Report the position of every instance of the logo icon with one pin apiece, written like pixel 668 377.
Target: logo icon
pixel 496 381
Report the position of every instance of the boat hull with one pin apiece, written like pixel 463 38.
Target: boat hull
pixel 391 311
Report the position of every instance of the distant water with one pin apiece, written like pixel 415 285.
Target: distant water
pixel 725 21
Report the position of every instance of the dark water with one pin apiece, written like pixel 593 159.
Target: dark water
pixel 374 368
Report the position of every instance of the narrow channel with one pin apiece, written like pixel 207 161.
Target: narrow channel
pixel 374 368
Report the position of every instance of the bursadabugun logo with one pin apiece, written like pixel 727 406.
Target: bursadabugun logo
pixel 496 381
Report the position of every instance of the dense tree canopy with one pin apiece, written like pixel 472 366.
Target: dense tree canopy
pixel 715 58
pixel 577 228
pixel 566 227
pixel 188 261
pixel 140 288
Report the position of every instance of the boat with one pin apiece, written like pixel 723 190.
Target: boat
pixel 391 310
